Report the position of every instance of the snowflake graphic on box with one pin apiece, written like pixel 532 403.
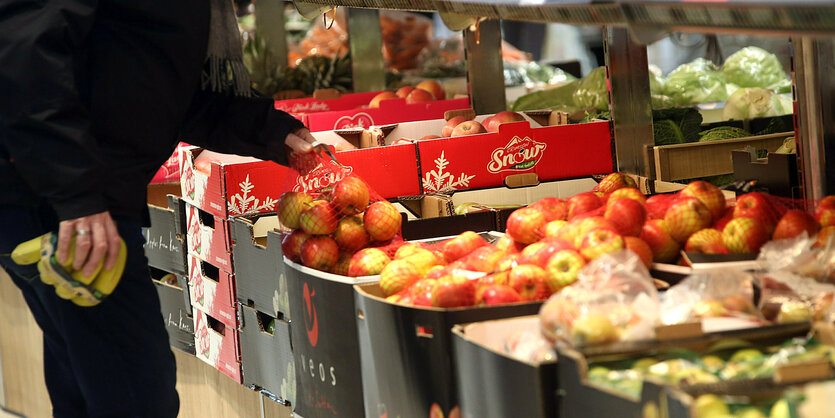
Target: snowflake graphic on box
pixel 242 203
pixel 439 181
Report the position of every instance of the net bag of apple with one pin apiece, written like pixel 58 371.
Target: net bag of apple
pixel 725 293
pixel 614 299
pixel 333 221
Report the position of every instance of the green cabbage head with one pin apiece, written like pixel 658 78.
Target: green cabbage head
pixel 698 81
pixel 755 67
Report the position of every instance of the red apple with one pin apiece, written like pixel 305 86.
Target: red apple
pixel 350 235
pixel 484 259
pixel 657 205
pixel 529 281
pixel 290 207
pixel 453 292
pixel 423 260
pixel 343 263
pixel 408 249
pixel 368 262
pixel 386 95
pixel 585 226
pixel 350 196
pixel 319 218
pixel 629 193
pixel 540 252
pixel 710 195
pixel 627 215
pixel 756 205
pixel 433 87
pixel 508 262
pixel 396 276
pixel 450 125
pixel 553 228
pixel 719 224
pixel 419 96
pixel 706 241
pixel 497 294
pixel 462 245
pixel 744 235
pixel 582 203
pixel 554 209
pixel 404 91
pixel 686 216
pixel 825 211
pixel 500 118
pixel 469 127
pixel 421 292
pixel 291 244
pixel 526 225
pixel 320 253
pixel 823 236
pixel 382 221
pixel 664 248
pixel 601 241
pixel 563 268
pixel 640 248
pixel 507 244
pixel 793 223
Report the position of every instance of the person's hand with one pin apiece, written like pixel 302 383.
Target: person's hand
pixel 95 237
pixel 299 142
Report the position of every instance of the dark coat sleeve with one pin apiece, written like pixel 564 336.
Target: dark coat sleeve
pixel 249 126
pixel 46 129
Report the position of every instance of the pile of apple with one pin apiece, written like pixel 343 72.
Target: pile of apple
pixel 328 230
pixel 458 126
pixel 425 91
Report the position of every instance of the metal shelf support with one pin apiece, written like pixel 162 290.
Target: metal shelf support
pixel 366 43
pixel 630 102
pixel 485 70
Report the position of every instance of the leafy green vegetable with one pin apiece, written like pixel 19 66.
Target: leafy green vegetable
pixel 723 132
pixel 775 126
pixel 666 132
pixel 698 81
pixel 754 67
pixel 591 91
pixel 754 102
pixel 661 101
pixel 559 98
pixel 788 147
pixel 596 115
pixel 687 119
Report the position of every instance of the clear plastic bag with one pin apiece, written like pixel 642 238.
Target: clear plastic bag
pixel 529 346
pixel 614 299
pixel 721 293
pixel 405 35
pixel 799 256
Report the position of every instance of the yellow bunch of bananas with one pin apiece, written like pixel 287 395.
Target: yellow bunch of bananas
pixel 70 284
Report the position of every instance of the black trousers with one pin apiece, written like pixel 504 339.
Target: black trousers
pixel 110 360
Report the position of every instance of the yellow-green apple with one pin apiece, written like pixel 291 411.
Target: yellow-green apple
pixel 400 298
pixel 484 259
pixel 710 195
pixel 509 245
pixel 290 207
pixel 538 253
pixel 319 218
pixel 627 215
pixel 382 221
pixel 291 244
pixel 422 260
pixel 657 205
pixel 582 203
pixel 319 252
pixel 342 264
pixel 469 127
pixel 408 249
pixel 601 241
pixel 396 276
pixel 450 125
pixel 526 225
pixel 350 235
pixel 706 241
pixel 629 193
pixel 563 268
pixel 419 95
pixel 825 211
pixel 756 205
pixel 404 91
pixel 552 228
pixel 350 196
pixel 529 281
pixel 553 208
pixel 453 292
pixel 640 248
pixel 462 245
pixel 823 236
pixel 433 87
pixel 582 227
pixel 508 262
pixel 496 294
pixel 386 95
pixel 500 118
pixel 686 216
pixel 500 277
pixel 664 248
pixel 744 235
pixel 421 292
pixel 368 262
pixel 593 328
pixel 613 182
pixel 795 222
pixel 709 308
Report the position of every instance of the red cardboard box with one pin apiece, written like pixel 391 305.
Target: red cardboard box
pixel 218 345
pixel 313 105
pixel 212 291
pixel 390 111
pixel 208 238
pixel 231 188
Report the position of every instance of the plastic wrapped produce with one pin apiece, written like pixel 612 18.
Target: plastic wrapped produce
pixel 722 293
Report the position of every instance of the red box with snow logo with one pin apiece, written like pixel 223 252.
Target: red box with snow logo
pixel 390 111
pixel 326 102
pixel 212 291
pixel 209 238
pixel 218 345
